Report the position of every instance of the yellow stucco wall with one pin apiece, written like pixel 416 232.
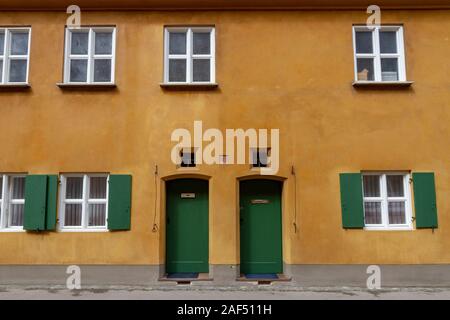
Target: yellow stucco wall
pixel 287 70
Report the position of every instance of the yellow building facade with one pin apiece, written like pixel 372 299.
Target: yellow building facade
pixel 292 70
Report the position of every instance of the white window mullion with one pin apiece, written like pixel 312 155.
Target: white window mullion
pixel 166 55
pixel 384 204
pixel 10 192
pixel 408 204
pixel 2 69
pixel 107 201
pixel 62 205
pixel 113 58
pixel 189 62
pixel 376 49
pixel 90 63
pixel 28 55
pixel 4 200
pixel 6 56
pixel 212 35
pixel 67 55
pixel 85 202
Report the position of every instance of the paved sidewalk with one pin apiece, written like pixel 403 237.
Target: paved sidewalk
pixel 196 293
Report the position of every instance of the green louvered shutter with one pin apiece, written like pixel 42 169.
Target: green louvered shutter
pixel 351 200
pixel 425 200
pixel 35 202
pixel 52 190
pixel 119 204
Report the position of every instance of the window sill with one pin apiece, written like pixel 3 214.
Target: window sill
pixel 83 230
pixel 8 230
pixel 15 86
pixel 187 168
pixel 86 86
pixel 388 229
pixel 382 84
pixel 189 86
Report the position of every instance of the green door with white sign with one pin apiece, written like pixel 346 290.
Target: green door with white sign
pixel 187 226
pixel 260 227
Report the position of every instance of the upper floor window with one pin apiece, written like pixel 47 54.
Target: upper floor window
pixel 84 200
pixel 12 201
pixel 14 55
pixel 387 202
pixel 90 55
pixel 379 54
pixel 189 55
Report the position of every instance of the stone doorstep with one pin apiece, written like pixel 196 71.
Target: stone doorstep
pixel 281 278
pixel 201 277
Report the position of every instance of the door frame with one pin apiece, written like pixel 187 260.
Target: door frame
pixel 283 200
pixel 161 222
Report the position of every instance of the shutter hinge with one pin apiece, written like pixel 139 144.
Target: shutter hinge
pixel 410 180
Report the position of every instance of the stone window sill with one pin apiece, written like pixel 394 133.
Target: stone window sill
pixel 382 84
pixel 189 86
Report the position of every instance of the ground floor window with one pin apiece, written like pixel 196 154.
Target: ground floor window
pixel 12 201
pixel 387 203
pixel 84 201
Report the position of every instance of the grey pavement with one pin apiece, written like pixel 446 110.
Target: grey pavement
pixel 224 293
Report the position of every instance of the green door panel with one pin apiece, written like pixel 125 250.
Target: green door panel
pixel 260 226
pixel 187 226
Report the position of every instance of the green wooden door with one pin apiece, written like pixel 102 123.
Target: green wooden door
pixel 260 224
pixel 187 226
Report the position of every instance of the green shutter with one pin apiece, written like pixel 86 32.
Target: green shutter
pixel 52 190
pixel 35 202
pixel 119 204
pixel 351 200
pixel 425 200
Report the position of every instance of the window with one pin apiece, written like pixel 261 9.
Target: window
pixel 260 157
pixel 12 201
pixel 189 55
pixel 387 202
pixel 14 55
pixel 379 54
pixel 187 158
pixel 89 56
pixel 84 201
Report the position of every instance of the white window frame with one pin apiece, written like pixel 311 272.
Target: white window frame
pixel 85 201
pixel 7 201
pixel 189 56
pixel 6 55
pixel 384 199
pixel 377 55
pixel 254 157
pixel 90 56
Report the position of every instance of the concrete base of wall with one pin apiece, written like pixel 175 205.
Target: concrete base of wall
pixel 356 275
pixel 302 276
